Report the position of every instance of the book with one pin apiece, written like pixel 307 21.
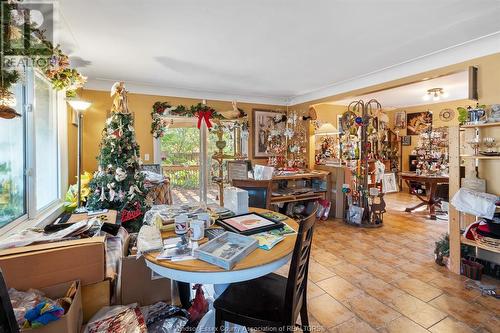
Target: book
pixel 267 240
pixel 283 231
pixel 275 216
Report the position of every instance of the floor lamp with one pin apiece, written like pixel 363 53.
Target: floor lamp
pixel 79 106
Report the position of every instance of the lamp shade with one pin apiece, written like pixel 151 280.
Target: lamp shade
pixel 327 129
pixel 79 105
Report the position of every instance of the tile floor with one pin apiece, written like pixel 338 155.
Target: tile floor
pixel 385 280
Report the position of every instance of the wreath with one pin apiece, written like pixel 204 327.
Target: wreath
pixel 161 109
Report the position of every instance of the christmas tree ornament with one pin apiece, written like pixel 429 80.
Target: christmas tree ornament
pixel 120 174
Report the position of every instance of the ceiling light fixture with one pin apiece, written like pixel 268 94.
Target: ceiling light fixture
pixel 435 94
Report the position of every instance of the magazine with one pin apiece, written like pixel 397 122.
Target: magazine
pixel 267 240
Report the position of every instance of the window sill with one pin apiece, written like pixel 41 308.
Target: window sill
pixel 44 218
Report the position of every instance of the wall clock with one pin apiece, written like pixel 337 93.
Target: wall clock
pixel 446 114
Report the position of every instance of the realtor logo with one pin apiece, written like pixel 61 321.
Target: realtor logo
pixel 23 25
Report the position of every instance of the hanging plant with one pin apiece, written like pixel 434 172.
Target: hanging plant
pixel 49 59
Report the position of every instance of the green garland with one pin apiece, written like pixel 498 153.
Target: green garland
pixel 164 108
pixel 47 57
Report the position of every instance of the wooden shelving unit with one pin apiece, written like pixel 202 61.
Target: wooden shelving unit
pixel 481 125
pixel 298 197
pixel 471 164
pixel 480 157
pixel 469 242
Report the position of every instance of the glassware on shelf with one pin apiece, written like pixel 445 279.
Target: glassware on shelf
pixel 475 143
pixel 490 143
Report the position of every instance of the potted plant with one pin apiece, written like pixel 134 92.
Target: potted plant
pixel 442 250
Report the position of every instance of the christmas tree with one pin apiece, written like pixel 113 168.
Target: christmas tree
pixel 118 183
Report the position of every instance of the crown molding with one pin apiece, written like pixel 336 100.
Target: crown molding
pixel 105 85
pixel 475 48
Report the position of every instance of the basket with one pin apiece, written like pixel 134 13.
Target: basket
pixel 471 269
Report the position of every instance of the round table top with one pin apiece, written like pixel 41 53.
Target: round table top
pixel 257 258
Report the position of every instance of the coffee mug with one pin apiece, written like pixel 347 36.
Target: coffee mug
pixel 197 228
pixel 181 224
pixel 205 217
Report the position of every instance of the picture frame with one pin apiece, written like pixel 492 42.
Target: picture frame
pixel 355 214
pixel 262 119
pixel 226 250
pixel 237 170
pixel 406 140
pixel 339 124
pixel 389 183
pixel 248 224
pixel 419 122
pixel 400 120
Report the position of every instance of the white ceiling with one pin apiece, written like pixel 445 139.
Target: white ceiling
pixel 456 87
pixel 264 50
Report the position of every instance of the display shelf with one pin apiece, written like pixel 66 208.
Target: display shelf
pixel 469 242
pixel 481 125
pixel 299 176
pixel 480 157
pixel 298 197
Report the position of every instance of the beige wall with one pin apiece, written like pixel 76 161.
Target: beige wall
pixel 141 106
pixel 489 93
pixel 436 122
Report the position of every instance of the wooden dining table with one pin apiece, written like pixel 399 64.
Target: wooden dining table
pixel 431 183
pixel 258 263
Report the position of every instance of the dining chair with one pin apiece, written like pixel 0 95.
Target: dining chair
pixel 8 323
pixel 271 302
pixel 259 191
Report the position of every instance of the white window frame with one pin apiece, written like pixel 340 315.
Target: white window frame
pixel 32 217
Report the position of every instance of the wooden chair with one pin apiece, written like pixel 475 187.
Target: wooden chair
pixel 259 191
pixel 8 321
pixel 271 302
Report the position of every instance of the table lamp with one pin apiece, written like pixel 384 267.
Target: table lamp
pixel 326 129
pixel 79 106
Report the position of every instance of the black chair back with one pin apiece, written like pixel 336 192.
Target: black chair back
pixel 8 323
pixel 259 191
pixel 297 277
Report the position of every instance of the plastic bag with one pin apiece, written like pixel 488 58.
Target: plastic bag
pixel 23 301
pixel 148 240
pixel 164 318
pixel 117 319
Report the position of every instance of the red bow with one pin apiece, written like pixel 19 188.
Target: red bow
pixel 206 115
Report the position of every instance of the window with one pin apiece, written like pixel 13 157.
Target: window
pixel 30 152
pixel 12 164
pixel 46 152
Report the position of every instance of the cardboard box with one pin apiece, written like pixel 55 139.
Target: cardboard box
pixel 72 320
pixel 94 297
pixel 136 282
pixel 37 266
